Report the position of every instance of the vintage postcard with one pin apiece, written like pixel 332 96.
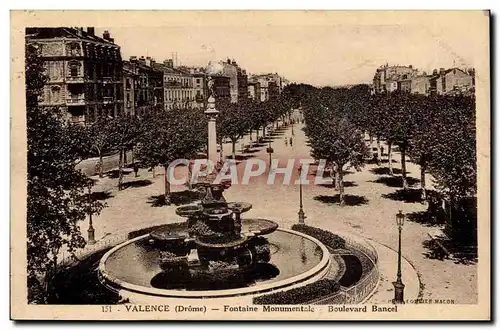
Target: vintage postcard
pixel 250 165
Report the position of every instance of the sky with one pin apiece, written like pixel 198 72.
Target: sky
pixel 322 50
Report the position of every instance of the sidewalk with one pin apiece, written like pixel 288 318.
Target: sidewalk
pixel 387 263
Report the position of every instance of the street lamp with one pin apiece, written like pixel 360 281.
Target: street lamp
pixel 270 151
pixel 398 285
pixel 90 231
pixel 301 213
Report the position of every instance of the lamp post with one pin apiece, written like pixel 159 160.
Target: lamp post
pixel 90 231
pixel 270 151
pixel 398 285
pixel 301 213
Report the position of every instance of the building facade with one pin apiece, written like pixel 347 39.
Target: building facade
pixel 230 69
pixel 451 81
pixel 130 82
pixel 222 87
pixel 405 78
pixel 199 78
pixel 178 89
pixel 420 84
pixel 85 73
pixel 147 86
pixel 254 91
pixel 271 85
pixel 242 84
pixel 273 90
pixel 386 77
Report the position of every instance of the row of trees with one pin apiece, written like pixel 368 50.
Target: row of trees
pixel 160 137
pixel 56 200
pixel 438 132
pixel 237 119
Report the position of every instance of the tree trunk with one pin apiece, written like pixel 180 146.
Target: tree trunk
pixel 221 152
pixel 379 150
pixel 423 195
pixel 167 186
pixel 124 156
pixel 257 135
pixel 153 171
pixel 389 157
pixel 403 168
pixel 335 176
pixel 341 185
pixel 120 169
pixel 101 163
pixel 234 149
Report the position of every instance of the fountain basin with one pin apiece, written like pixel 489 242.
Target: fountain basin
pixel 129 269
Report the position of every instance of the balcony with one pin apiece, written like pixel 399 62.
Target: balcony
pixel 75 79
pixel 107 99
pixel 76 100
pixel 107 80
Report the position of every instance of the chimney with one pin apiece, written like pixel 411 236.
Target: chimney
pixel 106 35
pixel 441 71
pixel 228 61
pixel 91 31
pixel 425 74
pixel 434 72
pixel 133 59
pixel 142 60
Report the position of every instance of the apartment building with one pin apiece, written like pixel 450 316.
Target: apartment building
pixel 84 72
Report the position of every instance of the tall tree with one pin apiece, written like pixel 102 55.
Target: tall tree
pixel 54 203
pixel 124 132
pixel 340 143
pixel 170 135
pixel 100 140
pixel 232 122
pixel 401 123
pixel 425 138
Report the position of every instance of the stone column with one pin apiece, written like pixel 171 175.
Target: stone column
pixel 211 113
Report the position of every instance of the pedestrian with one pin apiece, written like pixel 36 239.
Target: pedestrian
pixel 286 141
pixel 136 169
pixel 291 141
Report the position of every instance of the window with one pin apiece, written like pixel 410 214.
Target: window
pixel 74 49
pixel 73 69
pixel 56 93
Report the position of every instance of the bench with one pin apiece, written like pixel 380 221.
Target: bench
pixel 436 237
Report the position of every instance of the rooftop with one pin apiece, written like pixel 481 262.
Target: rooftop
pixel 66 32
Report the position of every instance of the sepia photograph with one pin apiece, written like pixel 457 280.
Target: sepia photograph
pixel 250 165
